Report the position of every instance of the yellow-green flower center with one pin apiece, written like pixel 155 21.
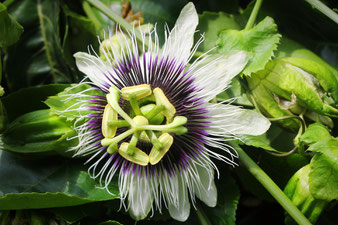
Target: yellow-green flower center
pixel 150 117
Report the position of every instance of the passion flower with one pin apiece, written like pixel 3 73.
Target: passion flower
pixel 152 124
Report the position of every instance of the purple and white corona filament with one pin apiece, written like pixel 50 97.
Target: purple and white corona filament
pixel 153 125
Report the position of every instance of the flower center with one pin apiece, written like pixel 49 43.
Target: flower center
pixel 149 116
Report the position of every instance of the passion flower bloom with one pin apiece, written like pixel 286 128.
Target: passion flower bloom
pixel 153 126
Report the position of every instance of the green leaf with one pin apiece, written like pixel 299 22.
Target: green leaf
pixel 46 183
pixel 29 99
pixel 275 138
pixel 314 133
pixel 69 108
pixel 110 222
pixel 324 170
pixel 73 214
pixel 10 29
pixel 80 32
pixel 39 52
pixel 260 141
pixel 210 23
pixel 259 42
pixel 228 196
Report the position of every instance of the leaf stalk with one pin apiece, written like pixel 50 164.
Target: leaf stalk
pixel 253 15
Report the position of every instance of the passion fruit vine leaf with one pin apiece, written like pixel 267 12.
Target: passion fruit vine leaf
pixel 259 41
pixel 10 29
pixel 36 183
pixel 323 176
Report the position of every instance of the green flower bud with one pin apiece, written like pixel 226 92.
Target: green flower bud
pixel 291 85
pixel 39 132
pixel 297 189
pixel 118 42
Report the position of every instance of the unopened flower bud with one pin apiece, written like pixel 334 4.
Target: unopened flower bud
pixel 297 189
pixel 39 132
pixel 291 85
pixel 115 45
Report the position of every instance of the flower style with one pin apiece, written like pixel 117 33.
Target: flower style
pixel 153 125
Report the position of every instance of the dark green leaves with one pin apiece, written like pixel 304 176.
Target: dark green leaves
pixel 10 29
pixel 29 99
pixel 259 42
pixel 38 57
pixel 46 183
pixel 228 196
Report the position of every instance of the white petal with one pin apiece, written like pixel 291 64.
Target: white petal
pixel 228 119
pixel 181 38
pixel 213 73
pixel 206 190
pixel 181 209
pixel 95 69
pixel 139 197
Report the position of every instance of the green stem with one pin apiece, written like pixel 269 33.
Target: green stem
pixel 117 139
pixel 135 105
pixel 90 13
pixel 115 105
pixel 203 219
pixel 119 20
pixel 253 15
pixel 270 186
pixel 0 66
pixel 324 9
pixel 152 137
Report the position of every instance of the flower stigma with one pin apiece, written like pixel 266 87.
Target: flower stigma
pixel 150 118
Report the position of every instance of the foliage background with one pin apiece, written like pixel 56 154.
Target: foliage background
pixel 37 62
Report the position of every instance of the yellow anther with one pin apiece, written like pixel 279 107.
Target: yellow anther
pixel 139 157
pixel 137 91
pixel 109 114
pixel 140 120
pixel 169 110
pixel 157 154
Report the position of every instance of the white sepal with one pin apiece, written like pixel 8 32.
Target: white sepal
pixel 140 196
pixel 229 119
pixel 213 73
pixel 206 189
pixel 96 69
pixel 180 209
pixel 180 40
